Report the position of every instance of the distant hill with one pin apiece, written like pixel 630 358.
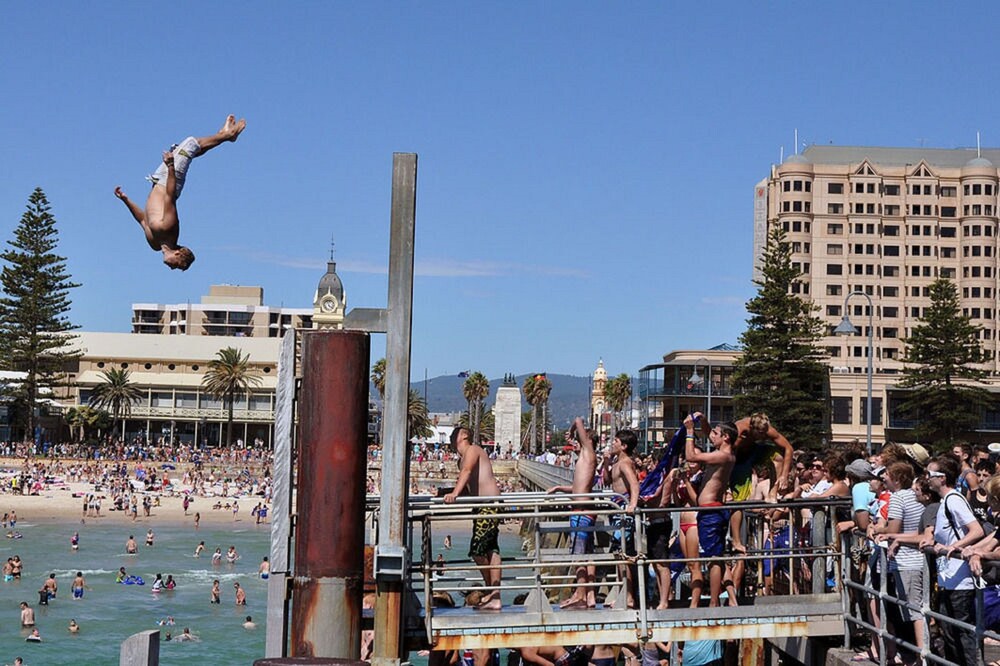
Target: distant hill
pixel 570 395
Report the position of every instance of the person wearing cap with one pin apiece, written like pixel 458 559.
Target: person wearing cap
pixel 859 473
pixel 955 528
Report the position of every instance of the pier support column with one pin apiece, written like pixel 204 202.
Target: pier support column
pixel 329 533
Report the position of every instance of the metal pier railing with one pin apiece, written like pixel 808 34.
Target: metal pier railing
pixel 807 604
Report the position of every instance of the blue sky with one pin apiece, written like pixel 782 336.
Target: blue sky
pixel 586 169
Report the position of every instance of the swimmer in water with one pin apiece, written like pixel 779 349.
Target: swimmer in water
pixel 130 546
pixel 34 637
pixel 79 584
pixel 120 578
pixel 199 548
pixel 232 555
pixel 217 556
pixel 74 541
pixel 216 592
pixel 27 615
pixel 241 595
pixel 265 569
pixel 74 628
pixel 249 624
pixel 149 537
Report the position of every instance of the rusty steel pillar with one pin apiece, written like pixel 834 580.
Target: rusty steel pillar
pixel 329 530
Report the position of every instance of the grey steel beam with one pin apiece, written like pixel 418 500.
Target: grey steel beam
pixel 391 558
pixel 281 502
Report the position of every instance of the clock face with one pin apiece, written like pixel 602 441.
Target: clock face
pixel 328 305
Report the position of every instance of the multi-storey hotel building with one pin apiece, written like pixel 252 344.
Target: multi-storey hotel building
pixel 886 222
pixel 883 221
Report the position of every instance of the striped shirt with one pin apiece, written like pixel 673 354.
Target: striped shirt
pixel 904 507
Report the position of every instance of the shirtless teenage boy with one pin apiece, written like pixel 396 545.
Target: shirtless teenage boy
pixel 712 523
pixel 476 478
pixel 581 539
pixel 159 220
pixel 620 474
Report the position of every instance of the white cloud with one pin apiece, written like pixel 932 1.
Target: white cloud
pixel 444 268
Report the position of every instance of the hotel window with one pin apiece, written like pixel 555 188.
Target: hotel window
pixel 965 190
pixel 977 209
pixel 949 191
pixel 835 249
pixel 835 229
pixel 916 189
pixel 977 188
pixel 948 232
pixel 834 269
pixel 892 190
pixel 859 208
pixel 891 250
pixel 859 248
pixel 787 186
pixel 892 211
pixel 915 312
pixel 796 206
pixel 890 292
pixel 915 230
pixel 869 228
pixel 890 230
pixel 840 412
pixel 833 310
pixel 835 208
pixel 987 231
pixel 870 208
pixel 890 312
pixel 786 206
pixel 797 186
pixel 870 188
pixel 927 210
pixel 835 188
pixel 796 247
pixel 988 189
pixel 859 188
pixel 890 271
pixel 947 253
pixel 796 225
pixel 890 332
pixel 834 290
pixel 833 351
pixel 948 211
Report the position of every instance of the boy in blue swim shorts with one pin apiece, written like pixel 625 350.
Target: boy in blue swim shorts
pixel 582 523
pixel 159 220
pixel 713 520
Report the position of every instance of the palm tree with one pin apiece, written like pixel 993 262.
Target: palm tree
pixel 378 377
pixel 116 394
pixel 228 374
pixel 487 424
pixel 475 389
pixel 418 423
pixel 543 388
pixel 618 390
pixel 87 418
pixel 531 397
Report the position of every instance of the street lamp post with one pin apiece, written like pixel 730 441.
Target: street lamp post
pixel 847 328
pixel 697 379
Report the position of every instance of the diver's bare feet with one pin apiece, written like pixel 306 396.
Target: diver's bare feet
pixel 168 158
pixel 573 602
pixel 491 603
pixel 120 194
pixel 231 130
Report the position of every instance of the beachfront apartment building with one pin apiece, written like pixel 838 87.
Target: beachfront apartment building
pixel 226 310
pixel 169 349
pixel 883 221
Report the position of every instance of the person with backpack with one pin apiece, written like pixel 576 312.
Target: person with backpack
pixel 955 527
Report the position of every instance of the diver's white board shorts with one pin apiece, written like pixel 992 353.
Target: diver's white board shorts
pixel 185 151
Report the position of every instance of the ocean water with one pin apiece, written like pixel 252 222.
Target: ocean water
pixel 109 613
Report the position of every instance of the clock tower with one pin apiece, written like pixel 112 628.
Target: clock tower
pixel 330 301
